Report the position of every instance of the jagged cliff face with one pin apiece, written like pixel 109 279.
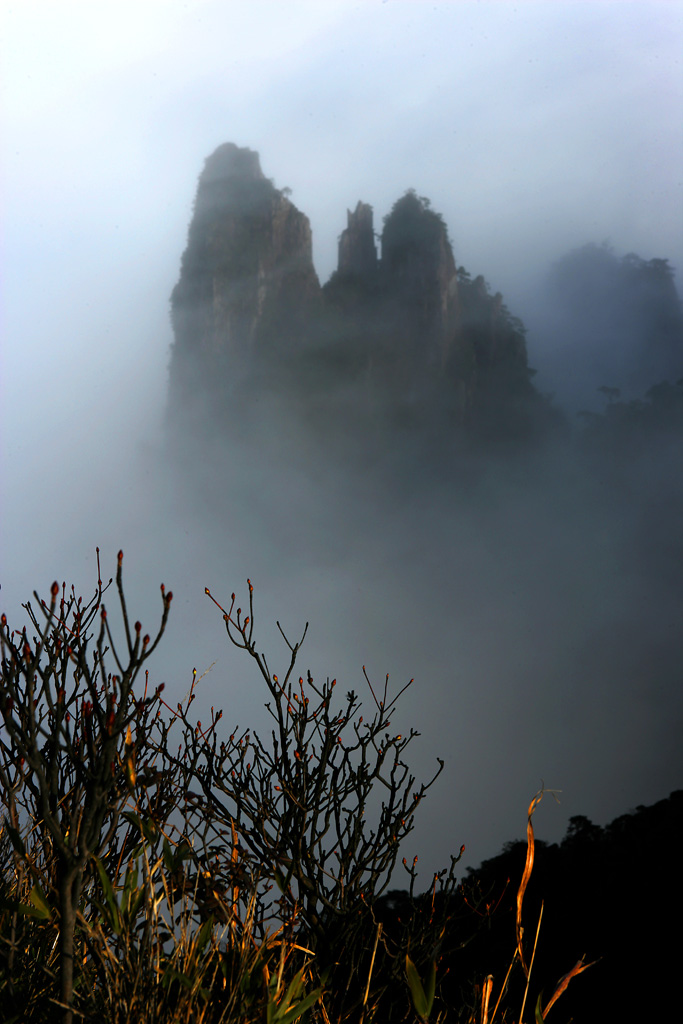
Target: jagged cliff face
pixel 248 289
pixel 405 338
pixel 357 249
pixel 419 272
pixel 421 305
pixel 459 349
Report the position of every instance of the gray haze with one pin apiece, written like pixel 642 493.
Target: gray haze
pixel 538 609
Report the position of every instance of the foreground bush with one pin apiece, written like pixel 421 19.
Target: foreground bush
pixel 155 871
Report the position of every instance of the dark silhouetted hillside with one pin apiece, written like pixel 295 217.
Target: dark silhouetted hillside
pixel 611 894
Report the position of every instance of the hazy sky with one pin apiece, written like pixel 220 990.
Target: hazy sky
pixel 532 127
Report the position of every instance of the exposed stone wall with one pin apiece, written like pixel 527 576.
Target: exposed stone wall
pixel 247 271
pixel 357 249
pixel 394 334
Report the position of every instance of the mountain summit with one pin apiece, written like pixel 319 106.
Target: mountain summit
pixel 404 338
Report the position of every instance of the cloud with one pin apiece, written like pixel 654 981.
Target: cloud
pixel 533 128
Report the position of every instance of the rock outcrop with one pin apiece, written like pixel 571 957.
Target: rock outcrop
pixel 248 290
pixel 357 249
pixel 421 308
pixel 406 338
pixel 419 273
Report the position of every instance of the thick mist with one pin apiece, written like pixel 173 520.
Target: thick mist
pixel 535 596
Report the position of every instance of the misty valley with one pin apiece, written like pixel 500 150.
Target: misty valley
pixel 488 500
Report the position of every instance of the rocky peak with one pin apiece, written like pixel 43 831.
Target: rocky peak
pixel 247 283
pixel 419 272
pixel 415 235
pixel 357 251
pixel 396 337
pixel 231 163
pixel 231 181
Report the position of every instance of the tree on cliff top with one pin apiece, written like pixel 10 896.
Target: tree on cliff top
pixel 411 224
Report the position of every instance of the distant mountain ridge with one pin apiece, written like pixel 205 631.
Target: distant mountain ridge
pixel 608 324
pixel 398 343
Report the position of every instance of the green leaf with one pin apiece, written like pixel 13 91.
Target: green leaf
pixel 130 882
pixel 538 1012
pixel 205 933
pixel 168 855
pixel 135 904
pixel 16 839
pixel 283 1012
pixel 300 1008
pixel 183 852
pixel 145 826
pixel 293 989
pixel 27 910
pixel 148 829
pixel 39 901
pixel 422 1001
pixel 170 974
pixel 173 857
pixel 283 881
pixel 38 908
pixel 114 913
